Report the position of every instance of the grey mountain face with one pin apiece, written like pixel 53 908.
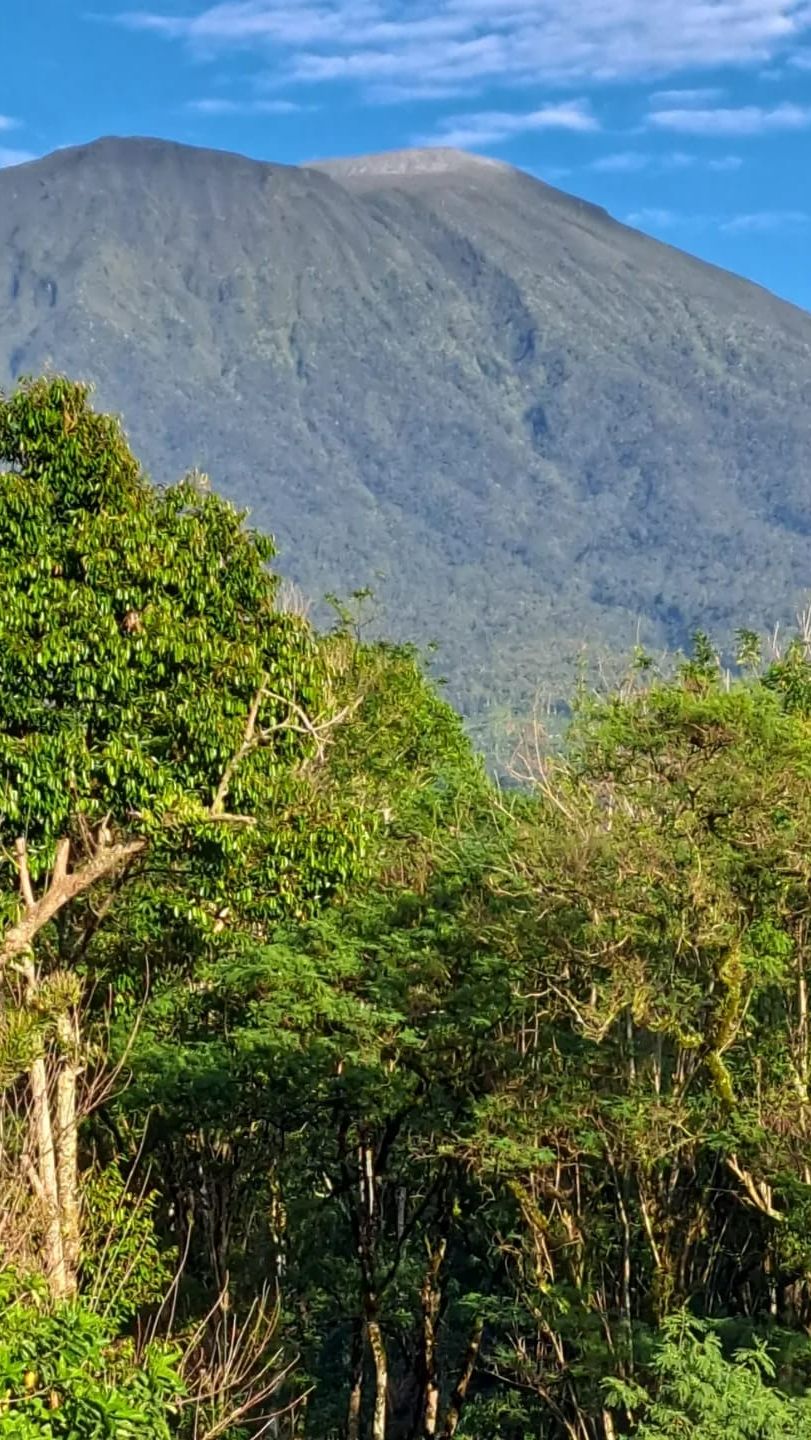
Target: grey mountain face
pixel 525 426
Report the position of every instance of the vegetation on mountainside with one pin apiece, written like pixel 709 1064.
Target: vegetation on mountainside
pixel 343 1094
pixel 522 424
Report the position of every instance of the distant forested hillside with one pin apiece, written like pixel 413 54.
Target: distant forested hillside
pixel 523 425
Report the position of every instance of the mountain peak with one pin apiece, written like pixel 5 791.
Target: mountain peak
pixel 430 160
pixel 523 424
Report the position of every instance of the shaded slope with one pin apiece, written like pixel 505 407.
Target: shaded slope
pixel 524 424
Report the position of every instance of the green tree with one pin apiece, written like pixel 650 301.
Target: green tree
pixel 157 711
pixel 697 1393
pixel 65 1372
pixel 186 769
pixel 653 1147
pixel 336 1055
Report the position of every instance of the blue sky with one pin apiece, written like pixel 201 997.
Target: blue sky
pixel 689 118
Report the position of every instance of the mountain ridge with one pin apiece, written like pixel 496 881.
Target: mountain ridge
pixel 541 426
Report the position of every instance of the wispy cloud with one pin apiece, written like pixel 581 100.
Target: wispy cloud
pixel 746 120
pixel 482 58
pixel 389 92
pixel 7 122
pixel 624 162
pixel 687 97
pixel 218 106
pixel 14 157
pixel 493 127
pixel 766 222
pixel 515 42
pixel 653 219
pixel 801 60
pixel 629 162
pixel 246 23
pixel 759 222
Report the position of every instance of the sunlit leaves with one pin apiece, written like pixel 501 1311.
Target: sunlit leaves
pixel 136 627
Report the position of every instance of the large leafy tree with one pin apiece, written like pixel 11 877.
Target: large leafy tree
pixel 152 695
pixel 157 712
pixel 186 767
pixel 308 1079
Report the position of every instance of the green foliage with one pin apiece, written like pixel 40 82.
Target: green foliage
pixel 65 1373
pixel 137 627
pixel 492 1084
pixel 123 1269
pixel 564 1027
pixel 700 1394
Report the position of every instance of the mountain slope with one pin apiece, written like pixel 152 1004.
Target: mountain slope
pixel 521 423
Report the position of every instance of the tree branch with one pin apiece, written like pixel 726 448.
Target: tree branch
pixel 254 737
pixel 62 889
pixel 26 888
pixel 248 742
pixel 759 1192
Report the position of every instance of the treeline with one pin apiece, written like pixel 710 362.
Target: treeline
pixel 346 1095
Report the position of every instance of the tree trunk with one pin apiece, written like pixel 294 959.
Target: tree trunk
pixel 378 1349
pixel 46 1168
pixel 430 1299
pixel 355 1381
pixel 62 889
pixel 46 1177
pixel 459 1396
pixel 67 1166
pixel 67 1171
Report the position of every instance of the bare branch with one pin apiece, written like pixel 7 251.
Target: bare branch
pixel 26 888
pixel 60 869
pixel 759 1192
pixel 317 730
pixel 61 891
pixel 254 737
pixel 248 742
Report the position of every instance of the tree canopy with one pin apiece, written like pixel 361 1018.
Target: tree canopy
pixel 344 1092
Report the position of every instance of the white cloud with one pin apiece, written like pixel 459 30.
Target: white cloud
pixel 7 122
pixel 632 161
pixel 624 162
pixel 515 42
pixel 492 127
pixel 765 222
pixel 481 58
pixel 686 97
pixel 216 106
pixel 14 157
pixel 759 222
pixel 390 93
pixel 651 219
pixel 746 120
pixel 246 23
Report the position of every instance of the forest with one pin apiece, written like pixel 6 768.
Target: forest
pixel 346 1092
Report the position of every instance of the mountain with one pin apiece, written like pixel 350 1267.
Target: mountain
pixel 523 424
